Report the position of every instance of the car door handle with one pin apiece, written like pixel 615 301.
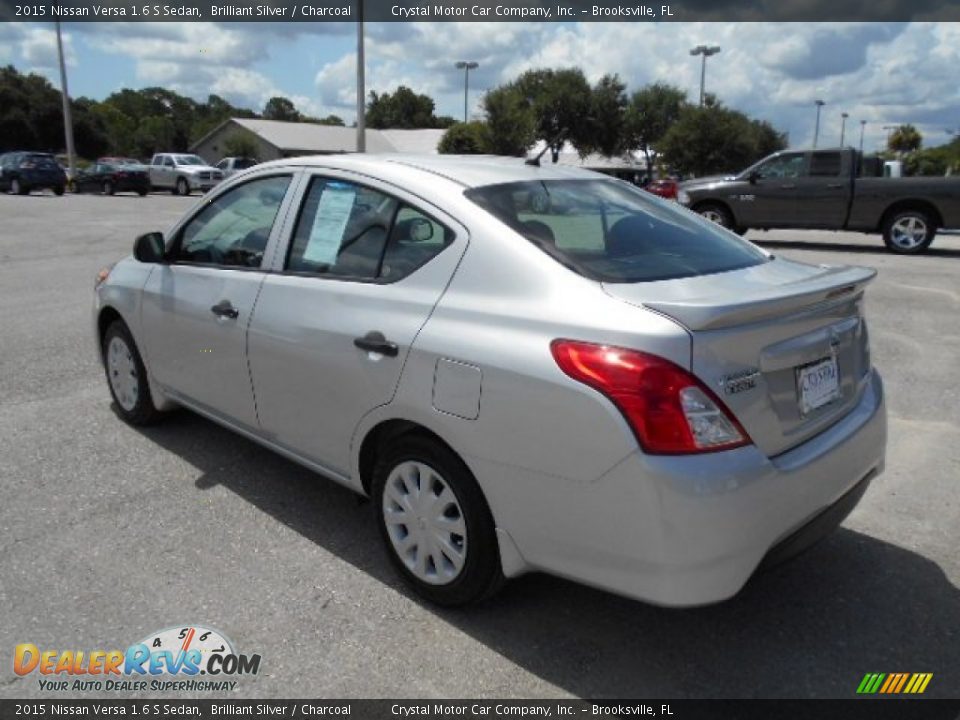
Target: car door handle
pixel 225 309
pixel 837 186
pixel 788 187
pixel 374 341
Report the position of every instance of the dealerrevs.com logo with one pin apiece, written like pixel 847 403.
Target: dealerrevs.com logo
pixel 184 658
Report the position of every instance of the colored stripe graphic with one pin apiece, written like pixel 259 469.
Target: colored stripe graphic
pixel 894 683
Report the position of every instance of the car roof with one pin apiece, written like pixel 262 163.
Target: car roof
pixel 465 170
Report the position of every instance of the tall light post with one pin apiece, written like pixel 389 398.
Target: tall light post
pixel 843 126
pixel 361 84
pixel 706 51
pixel 65 95
pixel 466 66
pixel 816 128
pixel 863 126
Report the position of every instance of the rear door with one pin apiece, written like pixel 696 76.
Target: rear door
pixel 823 194
pixel 364 268
pixel 198 304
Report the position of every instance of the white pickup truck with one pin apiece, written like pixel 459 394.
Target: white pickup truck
pixel 182 173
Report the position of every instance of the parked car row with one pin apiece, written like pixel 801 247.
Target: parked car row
pixel 23 172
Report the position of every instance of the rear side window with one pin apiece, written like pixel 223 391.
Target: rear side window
pixel 352 231
pixel 609 231
pixel 826 164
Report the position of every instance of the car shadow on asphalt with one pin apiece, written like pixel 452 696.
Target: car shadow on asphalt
pixel 932 251
pixel 810 628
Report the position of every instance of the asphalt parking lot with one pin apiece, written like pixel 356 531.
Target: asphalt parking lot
pixel 108 533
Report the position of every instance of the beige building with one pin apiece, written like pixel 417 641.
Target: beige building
pixel 274 139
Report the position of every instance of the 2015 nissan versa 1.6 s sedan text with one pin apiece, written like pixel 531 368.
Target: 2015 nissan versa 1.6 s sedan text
pixel 525 368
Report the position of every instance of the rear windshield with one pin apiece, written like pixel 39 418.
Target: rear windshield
pixel 244 163
pixel 609 231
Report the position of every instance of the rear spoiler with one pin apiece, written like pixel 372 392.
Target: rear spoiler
pixel 709 313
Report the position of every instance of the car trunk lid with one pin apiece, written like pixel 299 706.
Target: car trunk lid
pixel 770 340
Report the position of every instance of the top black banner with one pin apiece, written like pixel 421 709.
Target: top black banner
pixel 478 10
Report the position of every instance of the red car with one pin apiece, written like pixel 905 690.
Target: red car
pixel 665 188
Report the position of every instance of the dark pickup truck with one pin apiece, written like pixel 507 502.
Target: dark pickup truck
pixel 830 190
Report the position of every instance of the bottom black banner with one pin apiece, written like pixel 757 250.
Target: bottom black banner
pixel 864 709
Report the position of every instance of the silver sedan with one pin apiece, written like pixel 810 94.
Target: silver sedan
pixel 525 368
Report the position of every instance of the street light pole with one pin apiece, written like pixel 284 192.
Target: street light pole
pixel 863 125
pixel 843 126
pixel 361 84
pixel 65 95
pixel 466 66
pixel 816 128
pixel 706 51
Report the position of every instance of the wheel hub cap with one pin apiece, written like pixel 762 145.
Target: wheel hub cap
pixel 909 232
pixel 122 372
pixel 425 523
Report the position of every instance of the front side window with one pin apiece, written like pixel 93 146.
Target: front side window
pixel 234 228
pixel 349 230
pixel 610 231
pixel 825 164
pixel 791 165
pixel 189 160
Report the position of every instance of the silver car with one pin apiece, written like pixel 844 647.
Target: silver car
pixel 525 368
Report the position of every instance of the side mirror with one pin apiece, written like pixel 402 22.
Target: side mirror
pixel 421 230
pixel 753 177
pixel 149 248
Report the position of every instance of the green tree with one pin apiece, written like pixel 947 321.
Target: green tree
pixel 905 139
pixel 652 111
pixel 608 104
pixel 511 125
pixel 240 144
pixel 331 120
pixel 281 108
pixel 402 109
pixel 561 101
pixel 714 139
pixel 465 139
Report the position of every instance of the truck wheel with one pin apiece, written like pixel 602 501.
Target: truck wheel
pixel 908 232
pixel 182 187
pixel 108 188
pixel 716 213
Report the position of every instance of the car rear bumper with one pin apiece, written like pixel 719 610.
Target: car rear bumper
pixel 691 530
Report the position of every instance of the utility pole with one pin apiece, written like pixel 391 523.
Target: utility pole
pixel 863 125
pixel 361 85
pixel 706 51
pixel 816 128
pixel 466 66
pixel 65 95
pixel 843 126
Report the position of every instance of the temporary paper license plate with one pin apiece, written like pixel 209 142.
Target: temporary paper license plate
pixel 818 384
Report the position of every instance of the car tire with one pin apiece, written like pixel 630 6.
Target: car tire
pixel 59 190
pixel 17 189
pixel 142 193
pixel 183 187
pixel 127 376
pixel 444 546
pixel 909 232
pixel 108 188
pixel 717 213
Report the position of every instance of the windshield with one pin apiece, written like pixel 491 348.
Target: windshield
pixel 189 160
pixel 609 231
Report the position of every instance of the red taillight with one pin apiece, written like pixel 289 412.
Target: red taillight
pixel 670 411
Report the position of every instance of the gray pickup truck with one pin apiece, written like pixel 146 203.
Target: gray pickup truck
pixel 830 189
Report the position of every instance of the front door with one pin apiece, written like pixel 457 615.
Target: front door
pixel 334 323
pixel 197 305
pixel 770 199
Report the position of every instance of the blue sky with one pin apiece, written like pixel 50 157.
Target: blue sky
pixel 883 73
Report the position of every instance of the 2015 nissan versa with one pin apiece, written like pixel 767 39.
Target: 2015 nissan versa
pixel 526 368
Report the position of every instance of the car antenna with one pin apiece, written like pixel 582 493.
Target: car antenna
pixel 557 139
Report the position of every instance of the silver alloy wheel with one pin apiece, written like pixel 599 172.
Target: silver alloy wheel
pixel 425 523
pixel 714 216
pixel 122 371
pixel 182 187
pixel 908 232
